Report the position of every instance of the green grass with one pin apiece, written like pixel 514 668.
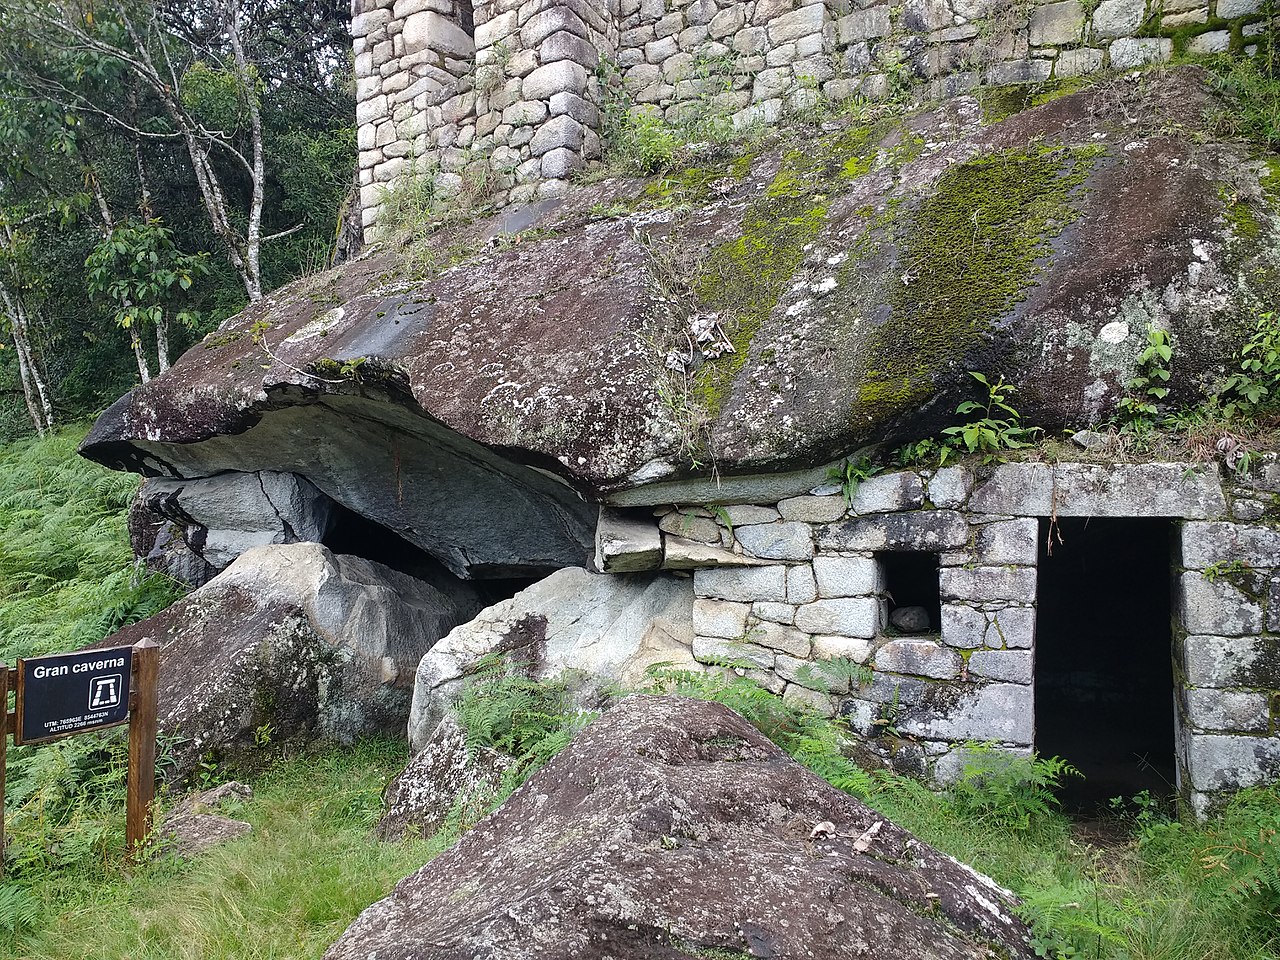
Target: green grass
pixel 285 891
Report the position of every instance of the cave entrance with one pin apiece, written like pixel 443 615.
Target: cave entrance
pixel 1104 656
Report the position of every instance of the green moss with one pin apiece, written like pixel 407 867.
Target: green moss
pixel 1270 182
pixel 743 278
pixel 1240 218
pixel 966 256
pixel 1001 103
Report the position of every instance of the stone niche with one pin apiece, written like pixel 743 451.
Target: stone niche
pixel 1124 617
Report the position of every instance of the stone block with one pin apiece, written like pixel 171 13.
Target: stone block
pixel 563 45
pixel 801 585
pixel 1014 666
pixel 857 649
pixel 371 110
pixel 1217 762
pixel 1215 41
pixel 1192 491
pixel 847 576
pixel 741 514
pixel 774 612
pixel 777 636
pixel 1228 711
pixel 811 509
pixel 1118 18
pixel 1218 608
pixel 677 67
pixel 950 487
pixel 927 530
pixel 1171 21
pixel 1007 541
pixel 551 20
pixel 850 617
pixel 563 76
pixel 728 21
pixel 431 31
pixel 575 106
pixel 686 525
pixel 1207 543
pixel 525 113
pixel 1129 53
pixel 366 23
pixel 1020 71
pixel 496 29
pixel 1075 63
pixel 921 658
pixel 988 583
pixel 824 676
pixel 1238 8
pixel 777 541
pixel 768 679
pixel 1003 712
pixel 812 700
pixel 747 584
pixel 1057 23
pixel 720 618
pixel 1231 662
pixel 888 493
pixel 727 652
pixel 797 23
pixel 865 24
pixel 660 50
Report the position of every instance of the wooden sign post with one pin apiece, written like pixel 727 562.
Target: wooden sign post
pixel 65 694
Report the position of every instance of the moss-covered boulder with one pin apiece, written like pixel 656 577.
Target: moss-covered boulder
pixel 751 315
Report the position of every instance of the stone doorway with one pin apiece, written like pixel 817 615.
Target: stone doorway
pixel 1104 656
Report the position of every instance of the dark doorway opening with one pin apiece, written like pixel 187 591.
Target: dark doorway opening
pixel 1104 657
pixel 911 580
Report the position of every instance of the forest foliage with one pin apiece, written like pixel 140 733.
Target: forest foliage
pixel 162 163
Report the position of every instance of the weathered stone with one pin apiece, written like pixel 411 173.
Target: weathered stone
pixel 421 797
pixel 950 487
pixel 431 31
pixel 988 583
pixel 847 576
pixel 741 514
pixel 562 132
pixel 1218 607
pixel 798 23
pixel 928 530
pixel 866 24
pixel 551 20
pixel 313 645
pixel 736 653
pixel 1074 63
pixel 1193 491
pixel 1230 763
pixel 720 618
pixel 777 541
pixel 564 45
pixel 856 617
pixel 811 509
pixel 626 543
pixel 574 106
pixel 751 583
pixel 857 649
pixel 1232 661
pixel 996 711
pixel 681 554
pixel 1228 711
pixel 1129 53
pixel 922 658
pixel 1209 543
pixel 910 619
pixel 573 859
pixel 1007 542
pixel 1118 18
pixel 1011 665
pixel 774 612
pixel 815 701
pixel 888 493
pixel 1057 23
pixel 1237 8
pixel 690 527
pixel 563 76
pixel 194 824
pixel 593 628
pixel 777 636
pixel 801 586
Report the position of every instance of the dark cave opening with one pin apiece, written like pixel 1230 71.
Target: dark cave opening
pixel 1104 657
pixel 350 533
pixel 911 580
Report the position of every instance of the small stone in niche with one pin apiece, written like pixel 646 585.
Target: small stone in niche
pixel 910 619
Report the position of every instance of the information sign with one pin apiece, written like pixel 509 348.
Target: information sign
pixel 72 693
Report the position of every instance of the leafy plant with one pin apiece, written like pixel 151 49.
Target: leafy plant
pixel 1225 570
pixel 1009 790
pixel 1150 382
pixel 850 475
pixel 1256 382
pixel 996 430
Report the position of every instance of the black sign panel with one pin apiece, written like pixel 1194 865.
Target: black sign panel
pixel 72 693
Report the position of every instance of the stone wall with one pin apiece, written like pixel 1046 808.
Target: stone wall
pixel 794 593
pixel 503 97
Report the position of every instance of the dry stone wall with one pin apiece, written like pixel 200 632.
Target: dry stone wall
pixel 505 97
pixel 794 594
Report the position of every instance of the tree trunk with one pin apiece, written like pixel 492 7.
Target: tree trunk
pixel 162 343
pixel 34 390
pixel 144 369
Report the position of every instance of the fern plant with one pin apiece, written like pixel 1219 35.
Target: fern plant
pixel 1010 791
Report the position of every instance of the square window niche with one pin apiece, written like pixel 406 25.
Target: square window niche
pixel 910 580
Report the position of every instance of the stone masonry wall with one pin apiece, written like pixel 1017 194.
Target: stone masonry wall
pixel 503 97
pixel 794 593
